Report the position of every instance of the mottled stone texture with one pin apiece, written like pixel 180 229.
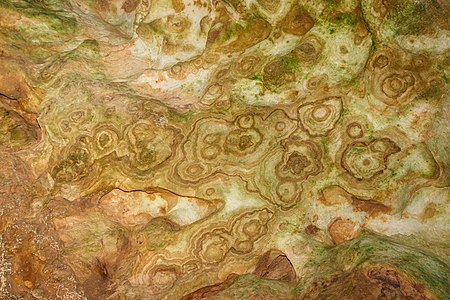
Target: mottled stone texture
pixel 224 149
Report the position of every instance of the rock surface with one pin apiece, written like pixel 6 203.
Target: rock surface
pixel 224 149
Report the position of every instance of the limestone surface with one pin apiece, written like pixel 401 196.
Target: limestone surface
pixel 224 149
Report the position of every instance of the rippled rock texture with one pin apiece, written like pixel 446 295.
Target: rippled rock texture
pixel 224 149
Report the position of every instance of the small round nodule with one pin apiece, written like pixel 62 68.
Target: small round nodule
pixel 280 126
pixel 355 130
pixel 321 113
pixel 246 121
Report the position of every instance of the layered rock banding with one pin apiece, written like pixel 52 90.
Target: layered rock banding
pixel 236 149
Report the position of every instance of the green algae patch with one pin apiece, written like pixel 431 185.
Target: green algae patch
pixel 181 117
pixel 88 50
pixel 40 23
pixel 256 77
pixel 290 63
pixel 281 71
pixel 348 19
pixel 408 17
pixel 371 249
